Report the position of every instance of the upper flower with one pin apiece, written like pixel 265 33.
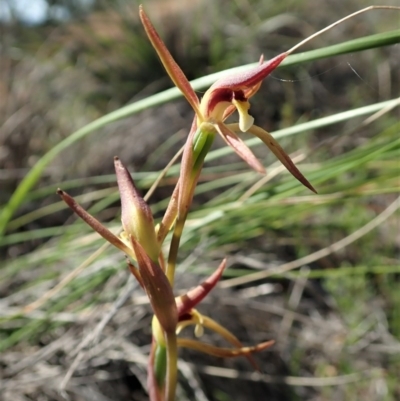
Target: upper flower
pixel 233 92
pixel 224 97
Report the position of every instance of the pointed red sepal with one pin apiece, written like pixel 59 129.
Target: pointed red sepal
pixel 228 336
pixel 94 223
pixel 172 68
pixel 248 93
pixel 281 155
pixel 241 149
pixel 193 297
pixel 240 85
pixel 247 79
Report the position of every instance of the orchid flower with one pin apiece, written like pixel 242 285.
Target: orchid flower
pixel 226 95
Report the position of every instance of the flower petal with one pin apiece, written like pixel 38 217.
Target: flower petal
pixel 283 157
pixel 227 335
pixel 239 147
pixel 222 352
pixel 245 119
pixel 173 70
pixel 248 93
pixel 94 223
pixel 193 297
pixel 200 321
pixel 248 79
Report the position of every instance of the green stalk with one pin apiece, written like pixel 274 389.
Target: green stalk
pixel 172 366
pixel 160 364
pixel 201 145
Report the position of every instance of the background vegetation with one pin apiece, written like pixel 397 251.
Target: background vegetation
pixel 318 273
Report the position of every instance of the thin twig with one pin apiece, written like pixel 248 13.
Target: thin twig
pixel 294 300
pixel 380 113
pixel 290 380
pixel 162 174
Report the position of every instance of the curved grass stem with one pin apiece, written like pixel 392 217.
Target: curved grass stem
pixel 329 27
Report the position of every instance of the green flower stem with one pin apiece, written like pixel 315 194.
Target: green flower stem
pixel 172 366
pixel 166 365
pixel 201 145
pixel 160 364
pixel 202 142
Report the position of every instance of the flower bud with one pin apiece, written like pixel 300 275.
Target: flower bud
pixel 136 216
